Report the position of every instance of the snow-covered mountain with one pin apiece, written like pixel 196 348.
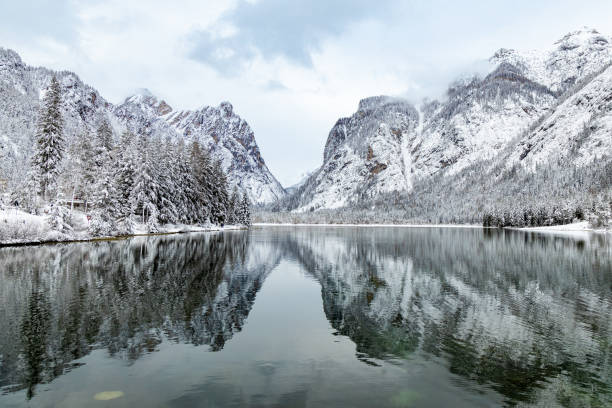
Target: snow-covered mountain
pixel 302 178
pixel 227 136
pixel 542 105
pixel 364 154
pixel 220 130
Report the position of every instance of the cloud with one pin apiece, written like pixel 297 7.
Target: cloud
pixel 278 29
pixel 39 18
pixel 275 85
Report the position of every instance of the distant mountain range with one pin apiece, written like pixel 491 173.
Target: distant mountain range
pixel 219 129
pixel 534 110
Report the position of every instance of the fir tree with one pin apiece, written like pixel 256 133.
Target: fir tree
pixel 49 139
pixel 234 208
pixel 125 174
pixel 219 199
pixel 144 195
pixel 245 211
pixel 105 135
pixel 90 168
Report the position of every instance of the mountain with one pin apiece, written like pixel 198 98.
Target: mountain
pixel 534 109
pixel 364 154
pixel 302 179
pixel 219 129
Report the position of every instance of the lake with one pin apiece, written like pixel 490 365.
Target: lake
pixel 309 317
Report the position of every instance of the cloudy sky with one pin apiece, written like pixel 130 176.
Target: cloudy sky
pixel 291 68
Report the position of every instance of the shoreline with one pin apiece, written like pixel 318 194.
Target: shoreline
pixel 566 229
pixel 580 229
pixel 76 240
pixel 272 224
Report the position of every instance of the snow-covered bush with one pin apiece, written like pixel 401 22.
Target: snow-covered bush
pixel 59 219
pixel 102 225
pixel 19 226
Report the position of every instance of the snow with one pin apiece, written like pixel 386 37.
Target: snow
pixel 578 229
pixel 269 224
pixel 19 227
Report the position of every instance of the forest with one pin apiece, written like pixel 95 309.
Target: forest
pixel 120 181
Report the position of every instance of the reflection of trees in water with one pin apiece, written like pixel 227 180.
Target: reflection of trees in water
pixel 125 296
pixel 513 310
pixel 526 314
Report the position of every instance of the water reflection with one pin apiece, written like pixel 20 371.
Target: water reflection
pixel 526 313
pixel 124 296
pixel 523 314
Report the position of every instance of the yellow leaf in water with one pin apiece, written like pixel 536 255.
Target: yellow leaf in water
pixel 108 395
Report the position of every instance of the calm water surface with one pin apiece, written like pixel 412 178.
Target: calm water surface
pixel 309 317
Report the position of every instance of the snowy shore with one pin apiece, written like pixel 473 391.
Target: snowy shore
pixel 271 224
pixel 578 227
pixel 21 228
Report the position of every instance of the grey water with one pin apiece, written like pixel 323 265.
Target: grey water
pixel 309 317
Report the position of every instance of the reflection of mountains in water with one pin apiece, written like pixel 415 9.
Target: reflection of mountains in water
pixel 509 309
pixel 524 313
pixel 125 296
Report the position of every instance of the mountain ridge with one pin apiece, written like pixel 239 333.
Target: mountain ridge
pixel 84 108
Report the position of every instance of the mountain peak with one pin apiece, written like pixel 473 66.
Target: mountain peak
pixel 143 96
pixel 226 108
pixel 584 36
pixel 9 57
pixel 374 102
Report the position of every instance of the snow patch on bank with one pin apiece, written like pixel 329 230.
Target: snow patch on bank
pixel 271 224
pixel 19 227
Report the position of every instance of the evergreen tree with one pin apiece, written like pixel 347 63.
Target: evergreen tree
pixel 90 169
pixel 219 199
pixel 234 208
pixel 144 195
pixel 125 174
pixel 163 173
pixel 105 135
pixel 245 211
pixel 203 191
pixel 49 139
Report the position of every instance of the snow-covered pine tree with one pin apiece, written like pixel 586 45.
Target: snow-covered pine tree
pixel 167 192
pixel 49 139
pixel 90 168
pixel 234 208
pixel 220 199
pixel 203 193
pixel 245 211
pixel 105 135
pixel 125 173
pixel 144 195
pixel 105 200
pixel 186 186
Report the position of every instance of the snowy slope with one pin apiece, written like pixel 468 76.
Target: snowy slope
pixel 302 180
pixel 227 136
pixel 577 54
pixel 544 105
pixel 579 129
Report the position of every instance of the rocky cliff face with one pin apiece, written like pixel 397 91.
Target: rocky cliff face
pixel 364 155
pixel 533 107
pixel 228 137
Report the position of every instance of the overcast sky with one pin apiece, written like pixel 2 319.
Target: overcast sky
pixel 291 68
